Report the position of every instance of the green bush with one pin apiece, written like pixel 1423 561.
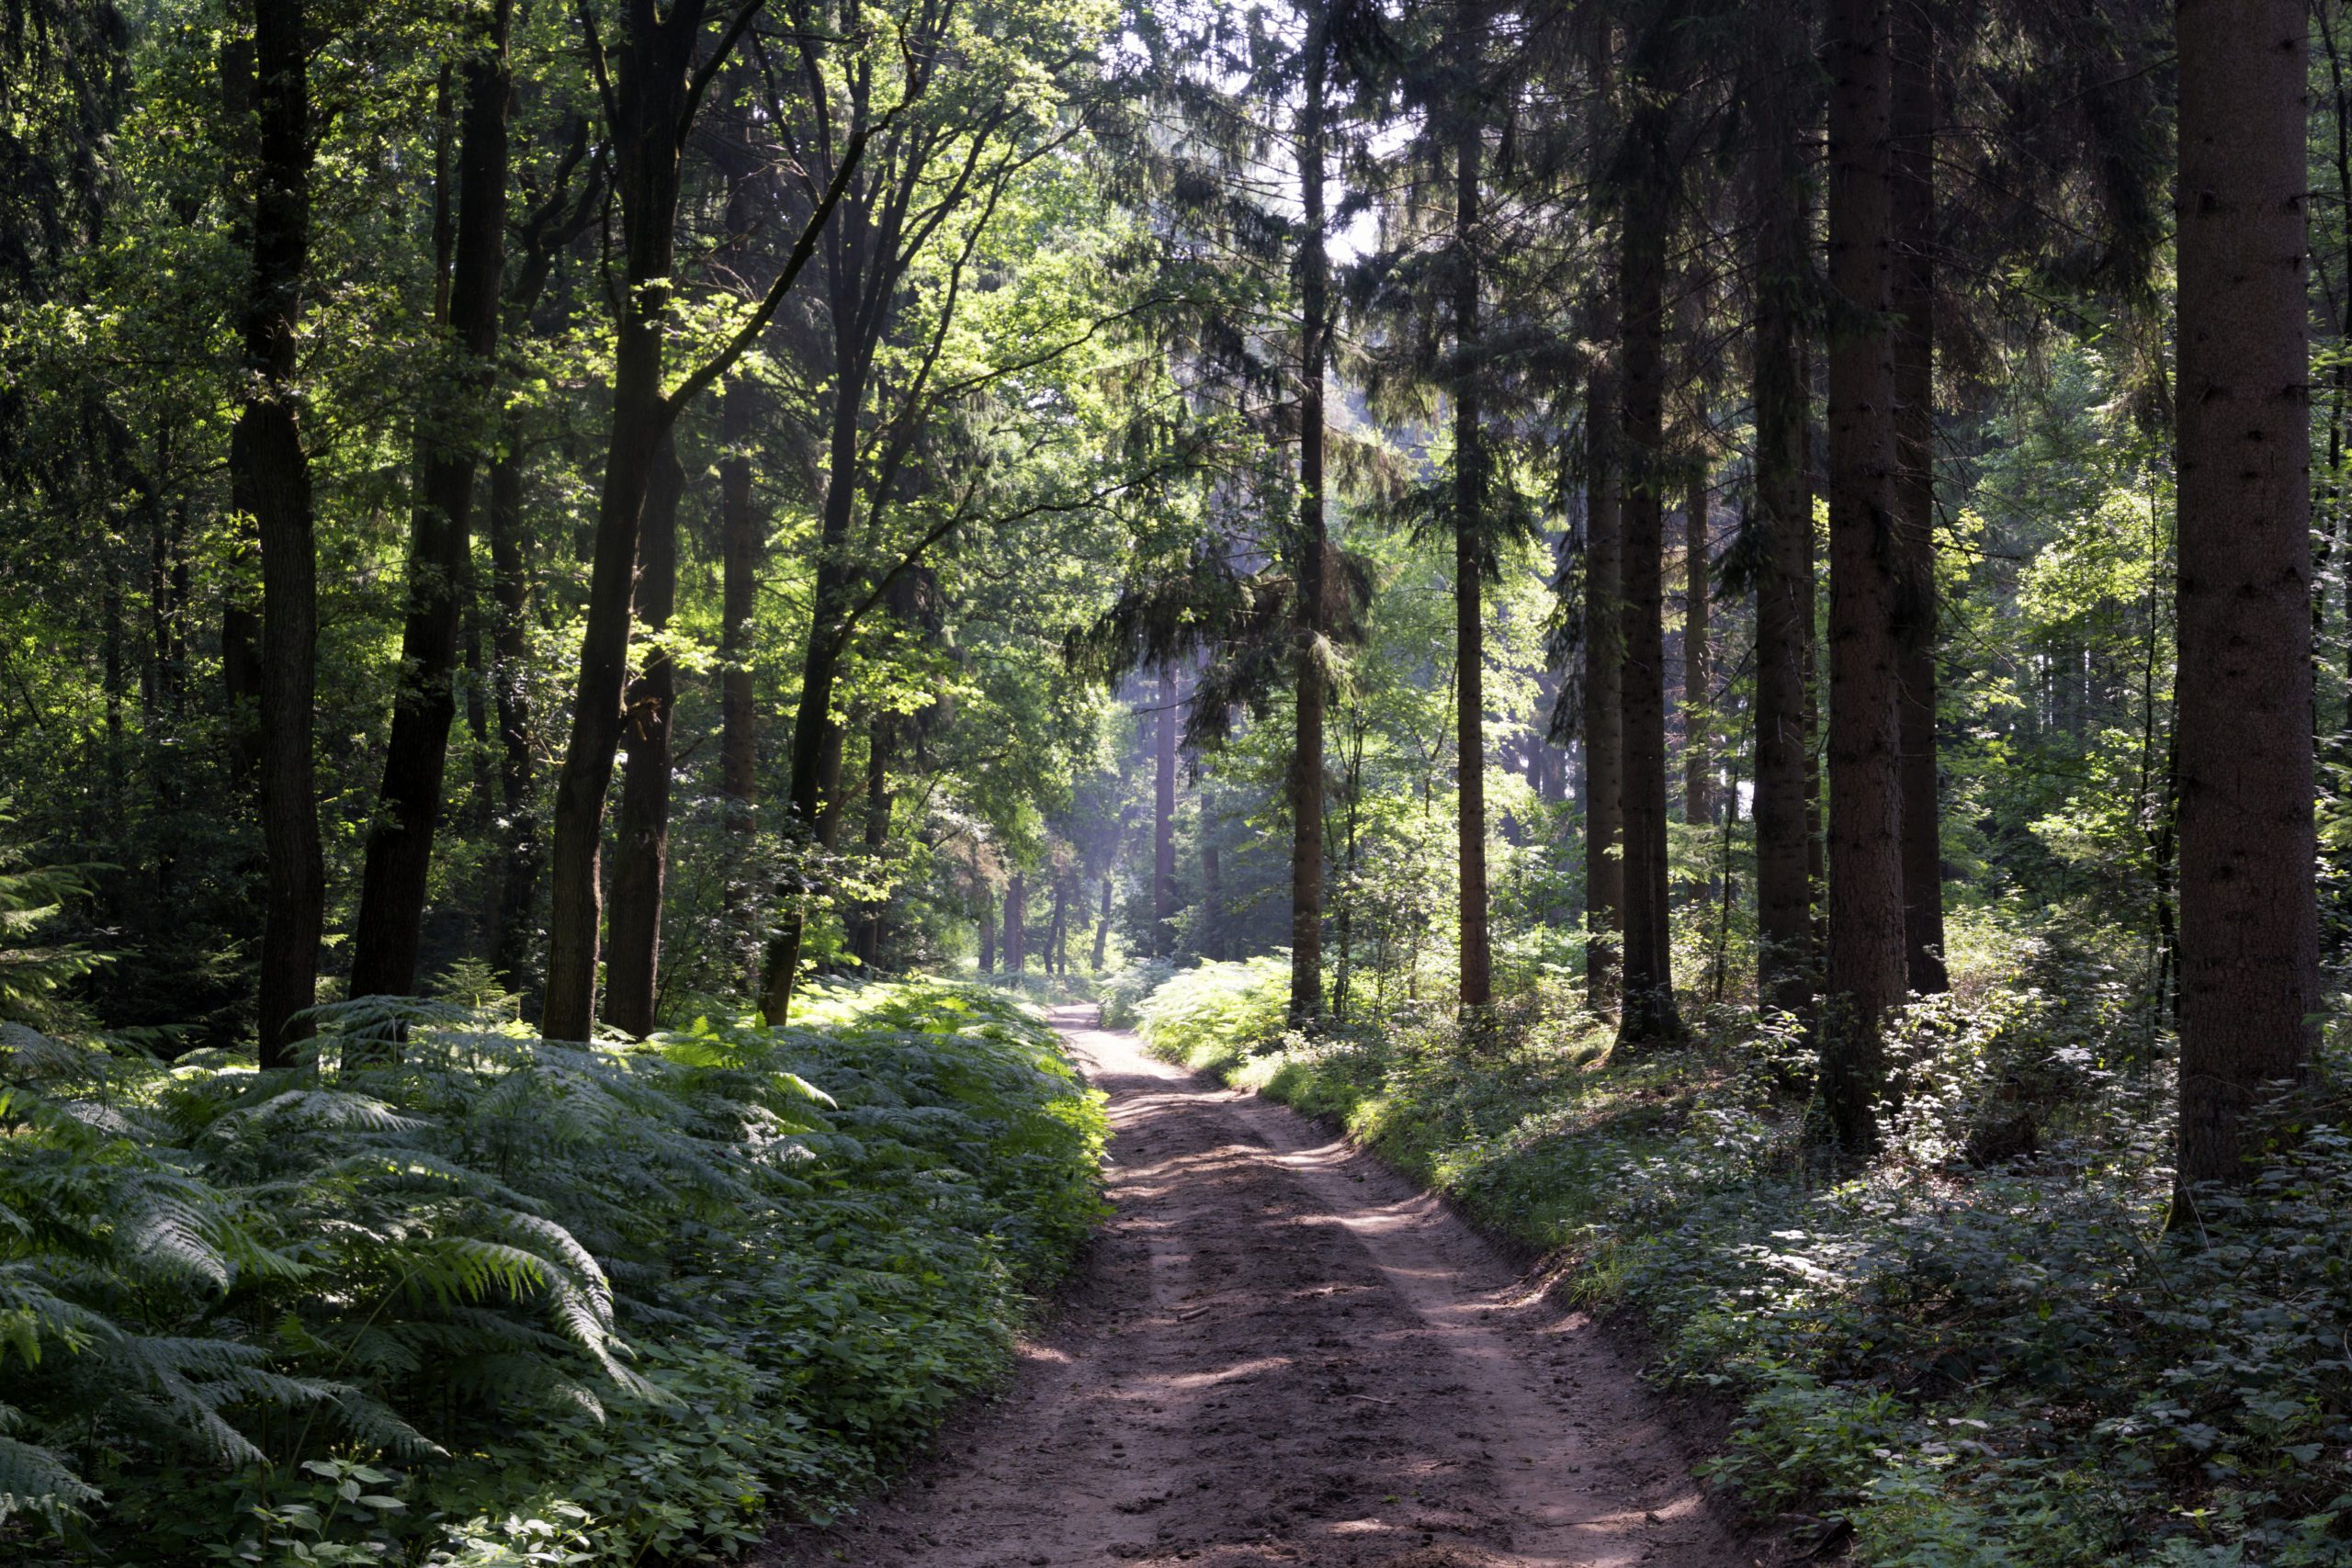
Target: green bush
pixel 1213 1013
pixel 624 1301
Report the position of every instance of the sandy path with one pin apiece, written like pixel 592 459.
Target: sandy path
pixel 1282 1353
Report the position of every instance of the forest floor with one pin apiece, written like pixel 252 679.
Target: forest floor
pixel 1280 1351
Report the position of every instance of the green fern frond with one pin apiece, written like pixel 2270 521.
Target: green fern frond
pixel 40 1481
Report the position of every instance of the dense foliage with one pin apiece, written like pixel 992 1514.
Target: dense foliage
pixel 453 1294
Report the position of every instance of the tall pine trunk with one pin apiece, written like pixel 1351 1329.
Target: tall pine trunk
pixel 2249 945
pixel 399 857
pixel 651 70
pixel 1912 157
pixel 1306 747
pixel 1866 927
pixel 270 478
pixel 1102 926
pixel 1469 541
pixel 1647 1013
pixel 1016 924
pixel 641 837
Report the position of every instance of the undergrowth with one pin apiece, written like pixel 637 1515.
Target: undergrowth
pixel 1985 1349
pixel 450 1296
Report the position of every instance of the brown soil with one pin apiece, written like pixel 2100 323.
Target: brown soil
pixel 1282 1352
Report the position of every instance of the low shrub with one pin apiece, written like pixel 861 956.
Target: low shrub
pixel 452 1296
pixel 1211 1014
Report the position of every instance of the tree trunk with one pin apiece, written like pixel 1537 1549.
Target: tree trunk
pixel 1102 926
pixel 1058 947
pixel 1306 749
pixel 1866 947
pixel 1016 925
pixel 1648 1014
pixel 988 933
pixel 1163 822
pixel 809 800
pixel 1604 672
pixel 2249 945
pixel 398 856
pixel 1698 665
pixel 649 97
pixel 641 840
pixel 271 479
pixel 1470 550
pixel 1912 171
pixel 1787 963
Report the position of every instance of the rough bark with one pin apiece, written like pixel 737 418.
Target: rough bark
pixel 1470 551
pixel 1016 925
pixel 650 86
pixel 1648 1014
pixel 1866 970
pixel 642 835
pixel 271 479
pixel 2249 967
pixel 1788 964
pixel 1306 748
pixel 1911 170
pixel 398 856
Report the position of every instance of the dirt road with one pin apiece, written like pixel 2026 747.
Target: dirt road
pixel 1282 1353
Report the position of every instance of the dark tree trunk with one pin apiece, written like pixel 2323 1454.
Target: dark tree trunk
pixel 988 933
pixel 1306 749
pixel 1867 973
pixel 2249 945
pixel 1163 822
pixel 1912 171
pixel 1016 925
pixel 1698 665
pixel 641 840
pixel 811 797
pixel 1057 946
pixel 1648 1014
pixel 651 70
pixel 398 856
pixel 1604 671
pixel 1787 963
pixel 1103 927
pixel 1470 546
pixel 271 479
